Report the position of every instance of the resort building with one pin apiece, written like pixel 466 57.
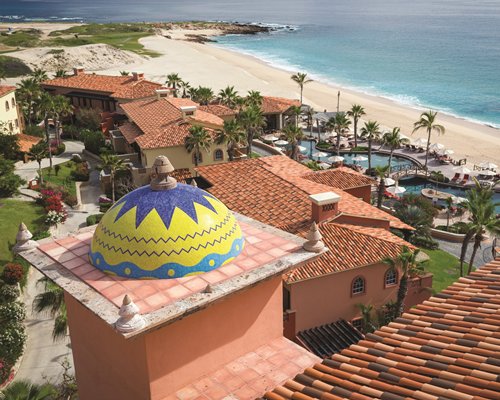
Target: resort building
pixel 172 292
pixel 101 92
pixel 288 195
pixel 10 117
pixel 276 110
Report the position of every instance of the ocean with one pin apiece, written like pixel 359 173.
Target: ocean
pixel 440 54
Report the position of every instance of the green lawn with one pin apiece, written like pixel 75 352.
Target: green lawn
pixel 12 213
pixel 63 178
pixel 445 268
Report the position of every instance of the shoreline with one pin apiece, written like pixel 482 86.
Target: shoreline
pixel 217 66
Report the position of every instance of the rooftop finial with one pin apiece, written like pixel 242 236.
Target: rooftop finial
pixel 162 168
pixel 130 320
pixel 23 240
pixel 314 243
pixel 193 183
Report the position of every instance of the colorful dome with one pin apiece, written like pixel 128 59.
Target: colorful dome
pixel 165 233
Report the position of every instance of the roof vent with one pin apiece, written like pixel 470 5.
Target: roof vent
pixel 78 71
pixel 163 92
pixel 188 111
pixel 324 206
pixel 138 76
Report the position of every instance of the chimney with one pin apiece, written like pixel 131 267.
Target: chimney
pixel 163 92
pixel 78 71
pixel 138 76
pixel 324 206
pixel 187 111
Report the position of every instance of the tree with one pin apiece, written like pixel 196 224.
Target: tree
pixel 9 181
pixel 28 95
pixel 113 164
pixel 9 144
pixel 199 139
pixel 174 81
pixel 25 390
pixel 381 172
pixel 252 120
pixel 185 86
pixel 295 112
pixel 61 108
pixel 301 79
pixel 367 325
pixel 47 109
pixel 371 131
pixel 310 123
pixel 203 95
pixel 427 121
pixel 124 73
pixel 60 73
pixel 393 140
pixel 482 219
pixel 254 98
pixel 51 301
pixel 356 112
pixel 339 123
pixel 449 205
pixel 39 75
pixel 38 152
pixel 228 96
pixel 233 135
pixel 408 266
pixel 293 135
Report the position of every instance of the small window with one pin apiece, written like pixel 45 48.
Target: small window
pixel 391 277
pixel 17 123
pixel 358 285
pixel 13 102
pixel 218 155
pixel 7 108
pixel 11 127
pixel 357 323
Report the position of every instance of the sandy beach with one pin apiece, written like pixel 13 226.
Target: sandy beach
pixel 209 65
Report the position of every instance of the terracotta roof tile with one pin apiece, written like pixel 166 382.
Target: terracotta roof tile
pixel 120 87
pixel 274 105
pixel 180 102
pixel 26 141
pixel 204 117
pixel 5 89
pixel 218 109
pixel 130 132
pixel 342 178
pixel 428 353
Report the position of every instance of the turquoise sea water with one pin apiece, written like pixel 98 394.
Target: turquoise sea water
pixel 443 54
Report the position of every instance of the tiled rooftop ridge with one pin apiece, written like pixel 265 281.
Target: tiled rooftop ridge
pixel 448 347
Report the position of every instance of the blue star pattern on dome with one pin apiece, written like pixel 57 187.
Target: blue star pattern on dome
pixel 145 199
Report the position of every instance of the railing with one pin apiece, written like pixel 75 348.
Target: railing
pixel 406 170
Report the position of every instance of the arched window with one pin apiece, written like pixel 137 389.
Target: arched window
pixel 218 155
pixel 358 285
pixel 391 277
pixel 7 108
pixel 13 102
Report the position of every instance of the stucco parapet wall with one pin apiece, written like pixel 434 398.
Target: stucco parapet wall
pixel 108 311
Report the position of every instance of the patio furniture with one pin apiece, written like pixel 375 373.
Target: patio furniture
pixel 456 177
pixel 465 180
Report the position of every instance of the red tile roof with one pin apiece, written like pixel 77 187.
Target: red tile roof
pixel 218 109
pixel 448 347
pixel 342 178
pixel 26 142
pixel 4 89
pixel 120 87
pixel 180 102
pixel 275 105
pixel 130 132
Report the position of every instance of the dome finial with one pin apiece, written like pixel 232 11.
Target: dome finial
pixel 162 168
pixel 23 240
pixel 130 320
pixel 314 243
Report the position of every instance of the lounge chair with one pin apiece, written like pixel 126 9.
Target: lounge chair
pixel 465 180
pixel 456 177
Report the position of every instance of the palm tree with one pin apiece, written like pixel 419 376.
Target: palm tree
pixel 62 108
pixel 295 112
pixel 51 301
pixel 409 266
pixel 28 94
pixel 339 123
pixel 233 135
pixel 252 120
pixel 47 107
pixel 427 122
pixel 185 86
pixel 371 131
pixel 254 98
pixel 124 73
pixel 228 96
pixel 449 205
pixel 60 73
pixel 367 325
pixel 301 79
pixel 356 112
pixel 174 81
pixel 25 390
pixel 293 135
pixel 381 172
pixel 199 139
pixel 39 75
pixel 38 152
pixel 310 123
pixel 482 219
pixel 113 164
pixel 394 141
pixel 203 95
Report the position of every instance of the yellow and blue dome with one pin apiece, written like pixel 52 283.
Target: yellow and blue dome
pixel 165 234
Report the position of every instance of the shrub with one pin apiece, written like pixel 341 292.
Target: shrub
pixel 9 293
pixel 13 67
pixel 94 219
pixel 9 181
pixel 12 273
pixel 103 207
pixel 5 370
pixel 38 235
pixel 12 312
pixel 87 118
pixel 70 200
pixel 12 340
pixel 34 130
pixel 425 242
pixel 55 217
pixel 93 140
pixel 61 148
pixel 80 173
pixel 71 132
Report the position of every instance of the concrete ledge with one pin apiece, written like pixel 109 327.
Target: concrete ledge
pixel 448 236
pixel 266 147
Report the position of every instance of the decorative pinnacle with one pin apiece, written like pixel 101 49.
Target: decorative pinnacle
pixel 23 240
pixel 193 183
pixel 130 320
pixel 162 168
pixel 314 243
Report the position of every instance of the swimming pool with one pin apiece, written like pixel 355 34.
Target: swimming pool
pixel 377 159
pixel 415 185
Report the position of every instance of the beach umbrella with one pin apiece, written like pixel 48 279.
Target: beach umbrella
pixel 488 165
pixel 324 165
pixel 421 142
pixel 396 190
pixel 270 138
pixel 319 154
pixel 436 147
pixel 335 159
pixel 447 152
pixel 389 181
pixel 458 199
pixel 487 172
pixel 281 143
pixel 359 158
pixel 302 149
pixel 462 169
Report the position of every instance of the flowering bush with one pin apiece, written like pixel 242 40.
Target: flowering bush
pixel 103 199
pixel 55 217
pixel 5 370
pixel 12 339
pixel 12 312
pixel 9 293
pixel 12 273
